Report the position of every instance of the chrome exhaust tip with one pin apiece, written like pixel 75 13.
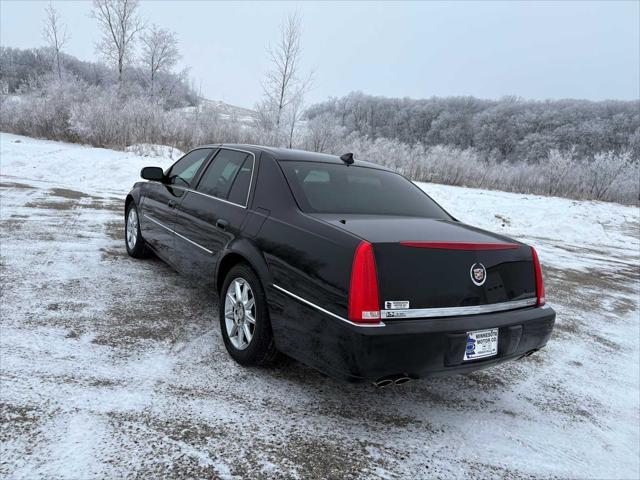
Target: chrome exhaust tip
pixel 528 354
pixel 391 380
pixel 383 382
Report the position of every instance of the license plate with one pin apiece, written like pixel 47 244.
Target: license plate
pixel 481 344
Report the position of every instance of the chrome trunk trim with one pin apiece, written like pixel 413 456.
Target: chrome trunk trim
pixel 458 311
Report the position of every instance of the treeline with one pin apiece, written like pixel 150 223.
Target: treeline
pixel 112 116
pixel 608 176
pixel 510 129
pixel 119 116
pixel 20 69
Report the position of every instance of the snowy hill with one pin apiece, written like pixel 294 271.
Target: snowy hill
pixel 224 110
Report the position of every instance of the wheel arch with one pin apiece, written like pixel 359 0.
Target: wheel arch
pixel 135 196
pixel 127 201
pixel 242 251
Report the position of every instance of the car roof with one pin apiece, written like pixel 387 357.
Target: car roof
pixel 287 154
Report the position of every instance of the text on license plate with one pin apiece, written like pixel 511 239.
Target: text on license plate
pixel 481 343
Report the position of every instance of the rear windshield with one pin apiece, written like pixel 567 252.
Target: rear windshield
pixel 333 188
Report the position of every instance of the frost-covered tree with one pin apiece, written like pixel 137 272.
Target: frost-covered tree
pixel 56 35
pixel 604 171
pixel 323 135
pixel 159 52
pixel 119 23
pixel 509 129
pixel 283 86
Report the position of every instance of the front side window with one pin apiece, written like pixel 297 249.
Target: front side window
pixel 333 188
pixel 228 177
pixel 184 170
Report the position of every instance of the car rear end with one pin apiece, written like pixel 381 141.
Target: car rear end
pixel 427 295
pixel 418 309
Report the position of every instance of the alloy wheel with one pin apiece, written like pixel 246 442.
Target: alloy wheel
pixel 240 313
pixel 132 228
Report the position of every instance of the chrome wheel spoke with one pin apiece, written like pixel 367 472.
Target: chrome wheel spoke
pixel 249 318
pixel 231 299
pixel 247 333
pixel 238 290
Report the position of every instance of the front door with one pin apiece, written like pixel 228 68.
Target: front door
pixel 158 212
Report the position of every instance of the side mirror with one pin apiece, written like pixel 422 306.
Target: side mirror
pixel 152 173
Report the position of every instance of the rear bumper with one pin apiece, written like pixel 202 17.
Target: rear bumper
pixel 417 348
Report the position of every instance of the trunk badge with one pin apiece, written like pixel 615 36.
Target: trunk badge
pixel 478 274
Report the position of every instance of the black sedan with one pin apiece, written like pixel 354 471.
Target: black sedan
pixel 339 263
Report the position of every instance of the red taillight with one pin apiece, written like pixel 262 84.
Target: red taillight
pixel 364 304
pixel 539 281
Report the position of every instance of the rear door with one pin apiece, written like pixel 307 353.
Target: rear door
pixel 162 198
pixel 211 215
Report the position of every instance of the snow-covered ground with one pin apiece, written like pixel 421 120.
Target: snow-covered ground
pixel 112 367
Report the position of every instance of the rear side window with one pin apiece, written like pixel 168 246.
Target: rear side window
pixel 228 176
pixel 184 170
pixel 240 190
pixel 334 188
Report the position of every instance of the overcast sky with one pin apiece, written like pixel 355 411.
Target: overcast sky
pixel 533 50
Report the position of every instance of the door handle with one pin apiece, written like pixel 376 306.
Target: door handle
pixel 222 224
pixel 171 204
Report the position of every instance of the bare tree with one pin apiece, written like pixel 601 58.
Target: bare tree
pixel 55 34
pixel 322 134
pixel 293 114
pixel 119 22
pixel 282 84
pixel 159 51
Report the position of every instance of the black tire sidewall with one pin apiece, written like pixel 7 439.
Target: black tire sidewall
pixel 261 342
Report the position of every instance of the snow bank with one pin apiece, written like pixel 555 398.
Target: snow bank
pixel 77 166
pixel 154 150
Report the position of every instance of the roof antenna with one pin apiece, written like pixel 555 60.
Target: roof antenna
pixel 347 158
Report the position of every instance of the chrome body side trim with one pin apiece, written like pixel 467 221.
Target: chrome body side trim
pixel 327 312
pixel 458 311
pixel 177 234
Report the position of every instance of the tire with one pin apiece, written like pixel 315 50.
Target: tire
pixel 260 349
pixel 136 246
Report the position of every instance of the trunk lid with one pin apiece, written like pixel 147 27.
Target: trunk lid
pixel 430 264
